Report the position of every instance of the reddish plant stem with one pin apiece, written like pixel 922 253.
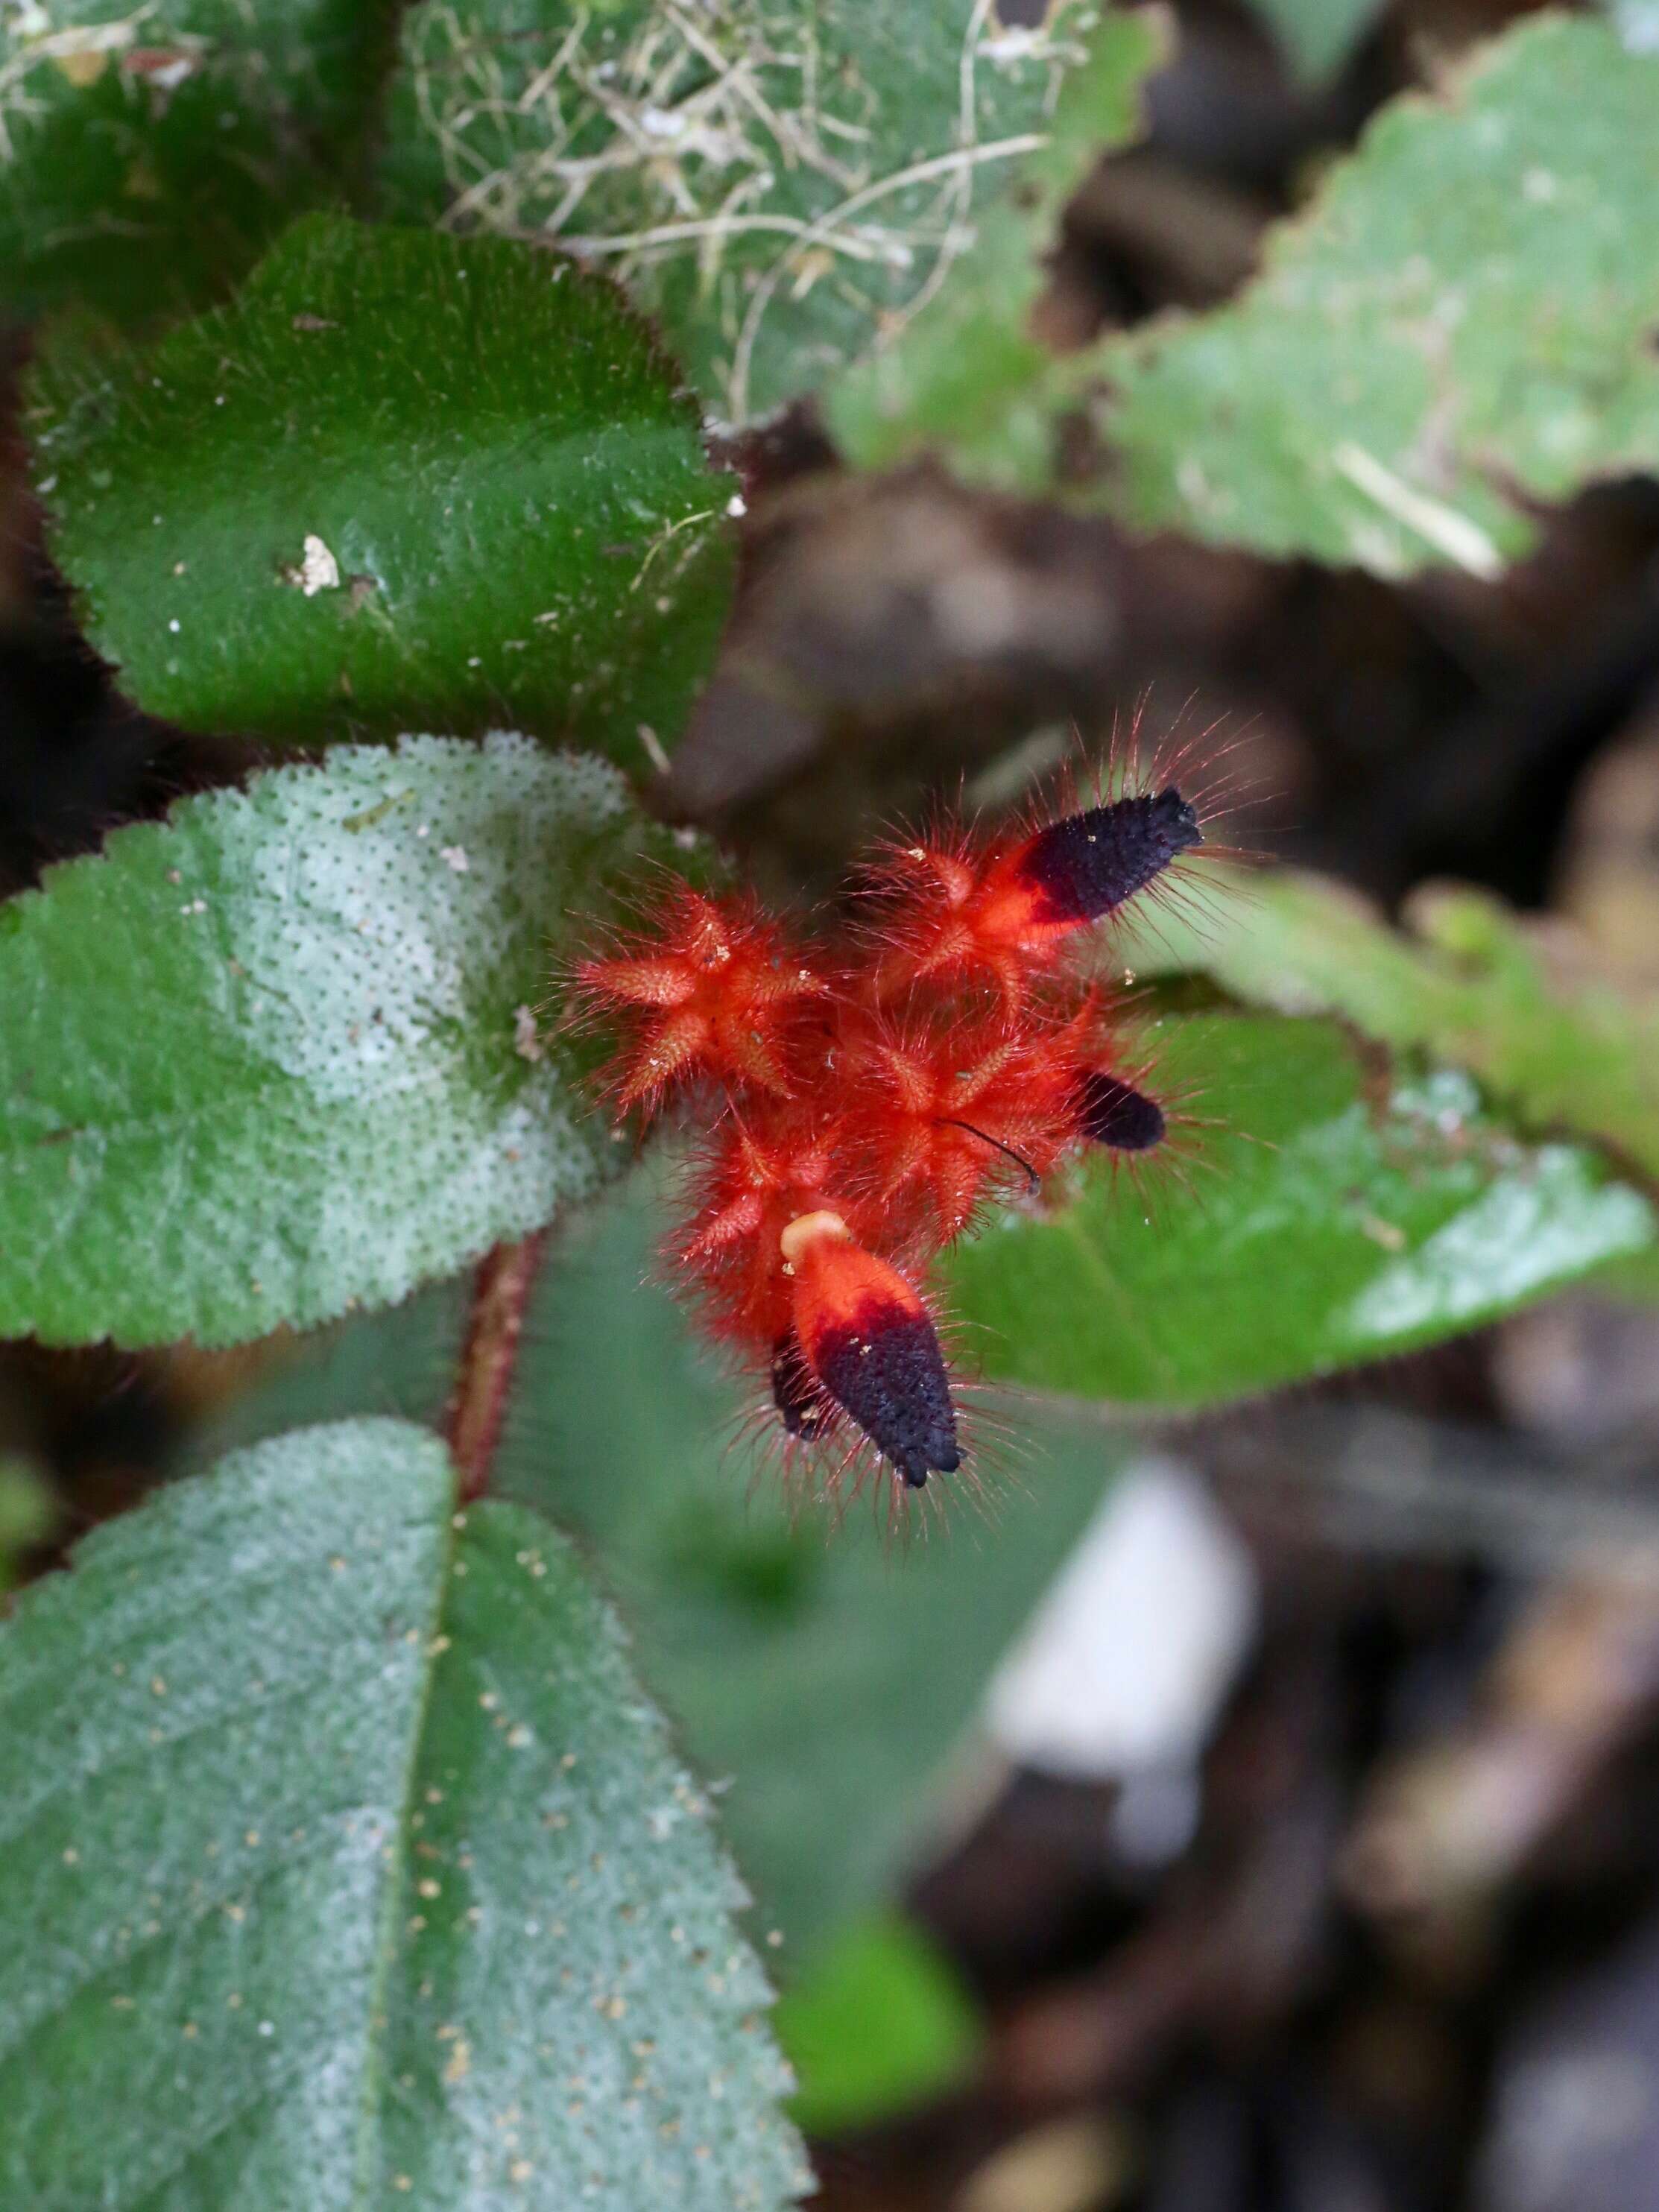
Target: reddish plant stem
pixel 500 1293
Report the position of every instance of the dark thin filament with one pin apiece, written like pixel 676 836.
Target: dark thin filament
pixel 950 1121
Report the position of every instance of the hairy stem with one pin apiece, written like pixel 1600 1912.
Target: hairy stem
pixel 500 1293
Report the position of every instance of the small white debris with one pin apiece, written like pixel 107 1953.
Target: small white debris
pixel 737 506
pixel 526 1037
pixel 318 570
pixel 456 856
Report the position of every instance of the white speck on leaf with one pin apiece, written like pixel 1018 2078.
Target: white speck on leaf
pixel 318 570
pixel 526 1039
pixel 456 856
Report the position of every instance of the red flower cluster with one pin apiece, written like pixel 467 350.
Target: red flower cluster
pixel 868 1097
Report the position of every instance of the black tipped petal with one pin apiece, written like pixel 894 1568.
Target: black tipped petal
pixel 1114 1112
pixel 888 1372
pixel 1089 864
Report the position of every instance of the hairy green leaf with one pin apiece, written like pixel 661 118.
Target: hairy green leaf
pixel 1561 1045
pixel 777 182
pixel 1462 323
pixel 279 1055
pixel 1329 1214
pixel 829 1673
pixel 402 480
pixel 347 1867
pixel 147 153
pixel 967 371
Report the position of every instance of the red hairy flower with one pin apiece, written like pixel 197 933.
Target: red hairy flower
pixel 747 1191
pixel 709 992
pixel 866 1102
pixel 948 1111
pixel 952 913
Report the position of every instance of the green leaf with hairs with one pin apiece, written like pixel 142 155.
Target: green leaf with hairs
pixel 968 373
pixel 1326 1212
pixel 402 481
pixel 288 1053
pixel 1460 326
pixel 347 1867
pixel 779 183
pixel 1559 1043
